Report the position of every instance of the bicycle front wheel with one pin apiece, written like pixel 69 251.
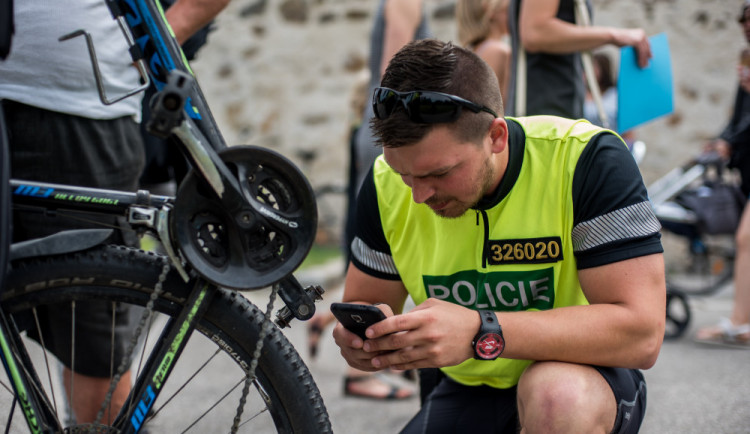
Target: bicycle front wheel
pixel 203 392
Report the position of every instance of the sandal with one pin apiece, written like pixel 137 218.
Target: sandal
pixel 406 374
pixel 394 392
pixel 726 334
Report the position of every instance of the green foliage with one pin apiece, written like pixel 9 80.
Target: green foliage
pixel 320 254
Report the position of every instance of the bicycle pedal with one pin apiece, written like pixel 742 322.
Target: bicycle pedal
pixel 302 308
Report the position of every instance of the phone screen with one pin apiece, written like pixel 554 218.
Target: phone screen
pixel 357 317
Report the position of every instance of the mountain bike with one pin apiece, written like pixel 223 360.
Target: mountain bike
pixel 243 219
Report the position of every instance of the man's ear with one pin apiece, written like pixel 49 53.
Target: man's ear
pixel 499 135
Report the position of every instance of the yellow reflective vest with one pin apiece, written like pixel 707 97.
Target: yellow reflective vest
pixel 526 260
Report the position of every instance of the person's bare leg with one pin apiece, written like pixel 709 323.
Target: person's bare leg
pixel 741 308
pixel 89 392
pixel 367 384
pixel 557 397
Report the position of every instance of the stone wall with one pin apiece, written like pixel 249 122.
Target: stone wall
pixel 284 74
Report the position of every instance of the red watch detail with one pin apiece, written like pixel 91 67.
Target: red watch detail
pixel 489 346
pixel 489 342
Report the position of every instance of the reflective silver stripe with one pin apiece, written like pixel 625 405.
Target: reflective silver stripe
pixel 373 259
pixel 631 222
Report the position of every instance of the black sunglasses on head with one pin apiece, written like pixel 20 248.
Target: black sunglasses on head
pixel 423 107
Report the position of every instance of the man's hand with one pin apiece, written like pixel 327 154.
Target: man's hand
pixel 637 39
pixel 719 146
pixel 351 345
pixel 434 334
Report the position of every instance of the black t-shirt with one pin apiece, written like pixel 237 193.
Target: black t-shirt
pixel 554 82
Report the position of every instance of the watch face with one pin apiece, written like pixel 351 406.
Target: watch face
pixel 489 346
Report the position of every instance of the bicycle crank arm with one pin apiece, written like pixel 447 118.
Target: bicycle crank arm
pixel 168 117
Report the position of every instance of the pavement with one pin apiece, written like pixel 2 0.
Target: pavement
pixel 692 389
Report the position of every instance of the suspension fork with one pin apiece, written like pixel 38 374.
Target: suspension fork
pixel 160 363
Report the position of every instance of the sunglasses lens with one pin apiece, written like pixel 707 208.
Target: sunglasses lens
pixel 423 107
pixel 383 102
pixel 432 108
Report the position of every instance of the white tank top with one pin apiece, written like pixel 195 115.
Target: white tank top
pixel 44 72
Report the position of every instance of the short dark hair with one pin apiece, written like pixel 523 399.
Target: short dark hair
pixel 433 65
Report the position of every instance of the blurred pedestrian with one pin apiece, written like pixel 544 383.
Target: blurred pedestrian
pixel 547 39
pixel 396 23
pixel 483 28
pixel 734 145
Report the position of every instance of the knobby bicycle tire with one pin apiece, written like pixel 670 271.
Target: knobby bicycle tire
pixel 284 389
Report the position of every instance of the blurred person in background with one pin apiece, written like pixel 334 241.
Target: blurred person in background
pixel 483 28
pixel 733 144
pixel 547 37
pixel 397 22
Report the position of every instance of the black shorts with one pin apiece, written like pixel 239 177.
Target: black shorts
pixel 453 407
pixel 55 147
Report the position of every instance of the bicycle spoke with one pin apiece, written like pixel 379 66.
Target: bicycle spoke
pixel 10 415
pixel 7 387
pixel 71 391
pixel 130 404
pixel 214 405
pixel 156 411
pixel 46 359
pixel 266 399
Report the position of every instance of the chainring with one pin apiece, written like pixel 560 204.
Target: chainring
pixel 263 252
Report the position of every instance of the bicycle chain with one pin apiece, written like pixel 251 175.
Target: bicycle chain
pixel 158 289
pixel 264 331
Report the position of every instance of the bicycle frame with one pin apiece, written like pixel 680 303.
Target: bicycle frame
pixel 144 21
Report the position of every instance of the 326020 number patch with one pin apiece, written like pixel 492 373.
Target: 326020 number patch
pixel 526 251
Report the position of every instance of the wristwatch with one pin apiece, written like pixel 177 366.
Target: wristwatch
pixel 489 343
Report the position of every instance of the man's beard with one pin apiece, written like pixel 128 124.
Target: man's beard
pixel 482 187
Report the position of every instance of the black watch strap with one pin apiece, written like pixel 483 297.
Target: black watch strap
pixel 489 342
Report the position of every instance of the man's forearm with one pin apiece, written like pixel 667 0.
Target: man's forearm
pixel 188 16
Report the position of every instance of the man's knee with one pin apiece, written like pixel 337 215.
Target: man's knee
pixel 565 397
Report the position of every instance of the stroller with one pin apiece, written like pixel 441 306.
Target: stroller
pixel 699 206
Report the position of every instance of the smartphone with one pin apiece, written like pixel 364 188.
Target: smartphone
pixel 357 317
